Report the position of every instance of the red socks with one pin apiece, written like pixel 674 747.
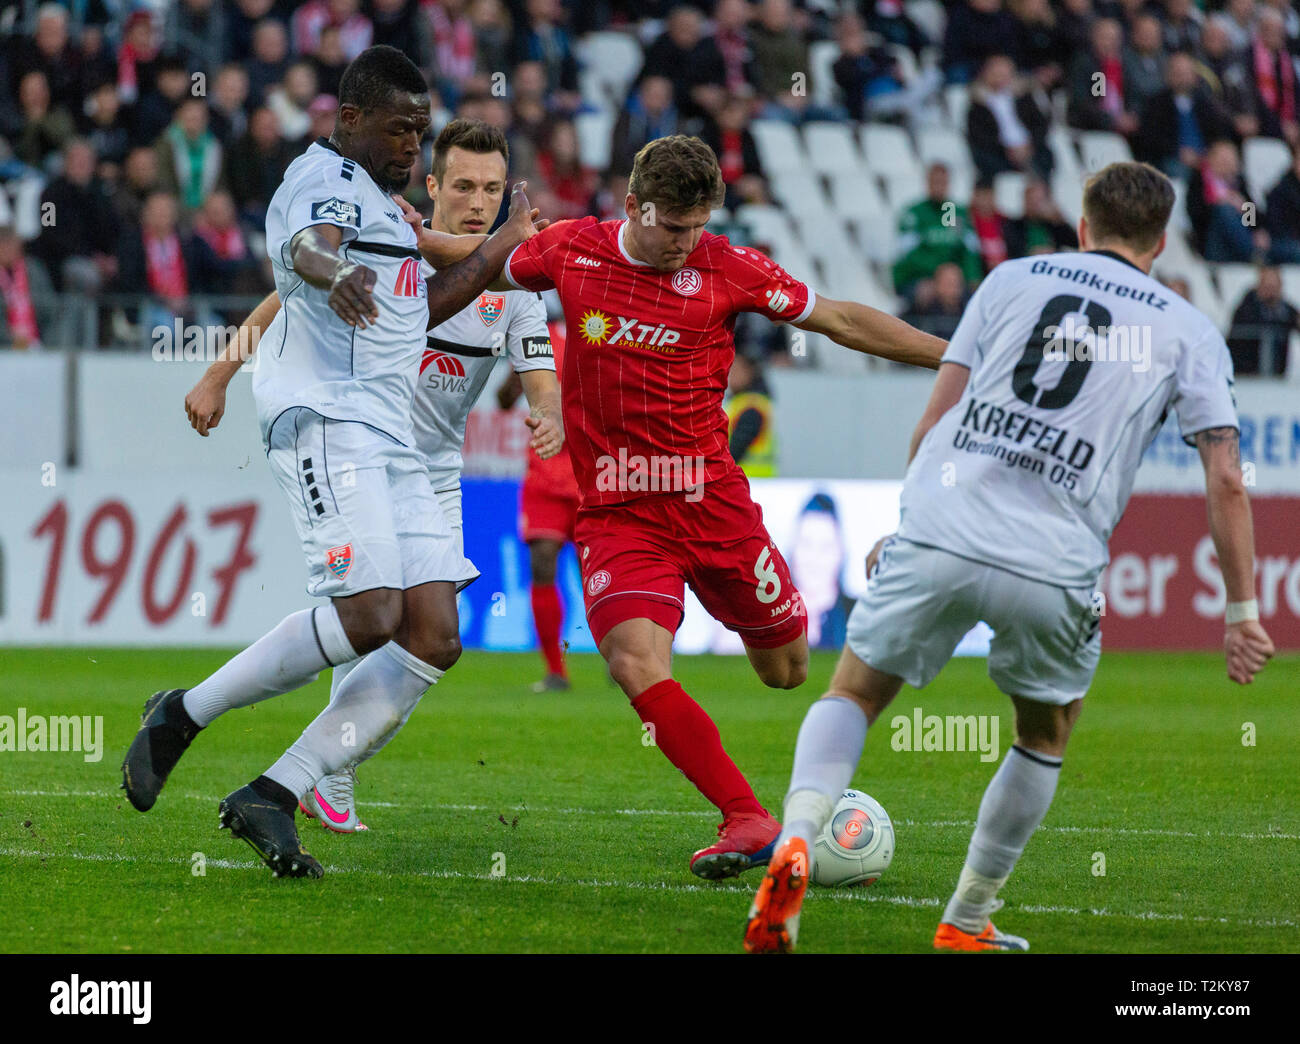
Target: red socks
pixel 548 616
pixel 690 740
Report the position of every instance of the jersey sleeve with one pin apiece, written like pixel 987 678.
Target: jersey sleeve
pixel 1203 396
pixel 532 265
pixel 326 193
pixel 528 340
pixel 964 347
pixel 760 285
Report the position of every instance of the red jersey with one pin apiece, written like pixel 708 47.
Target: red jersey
pixel 648 352
pixel 554 475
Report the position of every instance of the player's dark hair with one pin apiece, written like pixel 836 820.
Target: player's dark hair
pixel 1130 202
pixel 373 76
pixel 677 173
pixel 472 136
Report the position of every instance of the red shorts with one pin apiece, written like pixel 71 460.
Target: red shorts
pixel 546 515
pixel 637 557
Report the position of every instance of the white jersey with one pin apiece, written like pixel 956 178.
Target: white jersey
pixel 458 359
pixel 1031 470
pixel 310 357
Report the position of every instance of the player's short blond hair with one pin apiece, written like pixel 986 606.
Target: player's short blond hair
pixel 1130 202
pixel 677 173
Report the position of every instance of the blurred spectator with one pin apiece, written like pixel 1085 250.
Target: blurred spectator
pixel 750 421
pixel 1039 44
pixel 400 24
pixel 1006 128
pixel 691 60
pixel 1282 215
pixel 492 38
pixel 1238 20
pixel 889 20
pixel 27 305
pixel 940 301
pixel 532 118
pixel 44 128
pixel 138 52
pixel 189 156
pixel 156 108
pixel 934 231
pixel 1274 78
pixel 78 230
pixel 256 165
pixel 1290 20
pixel 196 30
pixel 329 61
pixel 324 111
pixel 975 30
pixel 157 260
pixel 106 125
pixel 453 44
pixel 355 29
pixel 1182 26
pixel 49 53
pixel 223 262
pixel 226 114
pixel 139 179
pixel 649 114
pixel 1097 100
pixel 270 59
pixel 871 80
pixel 989 225
pixel 1179 122
pixel 1144 62
pixel 731 35
pixel 561 168
pixel 1073 21
pixel 1261 329
pixel 1224 73
pixel 1216 205
pixel 1042 229
pixel 95 63
pixel 1178 285
pixel 781 60
pixel 242 18
pixel 733 144
pixel 1125 12
pixel 608 202
pixel 289 100
pixel 541 37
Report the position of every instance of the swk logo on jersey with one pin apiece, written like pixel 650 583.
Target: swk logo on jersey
pixel 409 283
pixel 447 372
pixel 490 307
pixel 595 328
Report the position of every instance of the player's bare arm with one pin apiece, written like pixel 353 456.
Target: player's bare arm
pixel 316 259
pixel 206 402
pixel 542 390
pixel 455 286
pixel 1247 646
pixel 949 387
pixel 869 330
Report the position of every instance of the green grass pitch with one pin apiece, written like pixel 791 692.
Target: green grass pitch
pixel 505 821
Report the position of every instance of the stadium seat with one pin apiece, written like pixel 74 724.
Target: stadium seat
pixel 956 101
pixel 1009 194
pixel 877 236
pixel 595 137
pixel 1063 150
pixel 929 15
pixel 856 194
pixel 767 224
pixel 1205 295
pixel 1067 190
pixel 823 90
pixel 1178 219
pixel 831 247
pixel 803 198
pixel 1234 282
pixel 888 151
pixel 1263 163
pixel 1291 287
pixel 1099 148
pixel 831 148
pixel 612 59
pixel 902 190
pixel 779 146
pixel 947 146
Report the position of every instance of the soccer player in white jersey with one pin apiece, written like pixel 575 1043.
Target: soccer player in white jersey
pixel 1062 370
pixel 467 184
pixel 333 395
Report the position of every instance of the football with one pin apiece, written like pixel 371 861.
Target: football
pixel 856 846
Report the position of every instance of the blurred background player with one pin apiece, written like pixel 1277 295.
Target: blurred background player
pixel 467 184
pixel 750 435
pixel 1020 468
pixel 548 509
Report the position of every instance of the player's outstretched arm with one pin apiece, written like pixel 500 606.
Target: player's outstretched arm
pixel 869 330
pixel 542 390
pixel 454 287
pixel 315 254
pixel 1246 645
pixel 206 402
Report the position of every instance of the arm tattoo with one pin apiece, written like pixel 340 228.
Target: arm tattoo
pixel 1213 436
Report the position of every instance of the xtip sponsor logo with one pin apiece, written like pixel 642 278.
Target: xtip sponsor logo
pixel 595 326
pixel 38 733
pixel 91 997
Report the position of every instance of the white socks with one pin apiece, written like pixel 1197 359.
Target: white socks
pixel 825 758
pixel 284 659
pixel 369 707
pixel 1014 804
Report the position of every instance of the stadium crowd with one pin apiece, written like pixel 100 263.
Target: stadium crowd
pixel 140 142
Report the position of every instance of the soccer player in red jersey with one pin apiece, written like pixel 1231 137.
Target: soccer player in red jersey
pixel 650 304
pixel 547 512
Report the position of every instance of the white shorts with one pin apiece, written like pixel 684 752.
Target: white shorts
pixel 363 507
pixel 921 601
pixel 449 501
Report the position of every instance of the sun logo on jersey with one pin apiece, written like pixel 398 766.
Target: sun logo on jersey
pixel 594 327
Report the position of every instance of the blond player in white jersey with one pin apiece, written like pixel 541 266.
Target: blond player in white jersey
pixel 1062 370
pixel 467 184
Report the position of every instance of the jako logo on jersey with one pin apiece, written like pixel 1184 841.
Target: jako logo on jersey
pixel 777 299
pixel 588 261
pixel 341 210
pixel 490 307
pixel 599 581
pixel 687 281
pixel 409 283
pixel 595 325
pixel 339 560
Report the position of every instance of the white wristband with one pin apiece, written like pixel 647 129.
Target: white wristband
pixel 1239 611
